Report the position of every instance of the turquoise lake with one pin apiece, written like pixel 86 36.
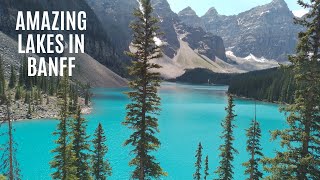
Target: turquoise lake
pixel 190 114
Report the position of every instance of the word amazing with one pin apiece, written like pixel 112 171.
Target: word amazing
pixel 54 43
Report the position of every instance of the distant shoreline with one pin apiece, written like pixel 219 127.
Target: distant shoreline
pixel 84 111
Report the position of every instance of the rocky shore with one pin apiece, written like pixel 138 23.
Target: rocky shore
pixel 44 110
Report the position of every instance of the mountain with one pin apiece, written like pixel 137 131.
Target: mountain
pixel 189 16
pixel 97 42
pixel 184 46
pixel 265 31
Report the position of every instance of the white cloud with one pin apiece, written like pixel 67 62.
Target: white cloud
pixel 300 12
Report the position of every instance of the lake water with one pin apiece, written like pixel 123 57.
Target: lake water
pixel 190 114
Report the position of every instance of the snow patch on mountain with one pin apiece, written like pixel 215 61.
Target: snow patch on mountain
pixel 251 57
pixel 251 62
pixel 265 12
pixel 230 54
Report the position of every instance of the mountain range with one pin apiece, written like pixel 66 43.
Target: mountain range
pixel 265 31
pixel 256 39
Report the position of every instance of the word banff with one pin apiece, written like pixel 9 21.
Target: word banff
pixel 51 43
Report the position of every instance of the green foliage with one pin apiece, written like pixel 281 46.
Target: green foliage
pixel 2 82
pixel 29 108
pixel 18 93
pixel 9 165
pixel 204 76
pixel 255 151
pixel 225 169
pixel 197 174
pixel 64 157
pixel 2 177
pixel 142 111
pixel 273 85
pixel 73 102
pixel 81 146
pixel 100 166
pixel 206 168
pixel 87 94
pixel 301 156
pixel 13 78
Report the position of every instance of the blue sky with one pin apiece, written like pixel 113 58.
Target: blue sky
pixel 225 7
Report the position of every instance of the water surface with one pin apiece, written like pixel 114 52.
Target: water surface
pixel 190 114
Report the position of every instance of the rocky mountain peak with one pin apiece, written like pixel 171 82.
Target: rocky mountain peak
pixel 161 4
pixel 212 12
pixel 188 11
pixel 278 4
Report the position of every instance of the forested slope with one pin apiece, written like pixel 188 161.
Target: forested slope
pixel 273 85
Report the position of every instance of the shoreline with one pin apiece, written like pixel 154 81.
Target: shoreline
pixel 265 101
pixel 84 111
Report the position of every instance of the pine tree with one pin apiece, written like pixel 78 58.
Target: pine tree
pixel 197 174
pixel 81 146
pixel 100 166
pixel 18 93
pixel 2 82
pixel 255 151
pixel 10 165
pixel 141 115
pixel 87 95
pixel 48 100
pixel 29 113
pixel 63 155
pixel 27 98
pixel 301 141
pixel 206 168
pixel 225 170
pixel 13 78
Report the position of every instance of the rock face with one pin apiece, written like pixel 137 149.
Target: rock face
pixel 115 17
pixel 189 16
pixel 264 31
pixel 204 43
pixel 110 13
pixel 185 45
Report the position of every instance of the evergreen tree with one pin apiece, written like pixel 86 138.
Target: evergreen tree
pixel 48 100
pixel 197 174
pixel 254 149
pixel 301 141
pixel 63 155
pixel 2 82
pixel 225 170
pixel 13 78
pixel 100 166
pixel 87 95
pixel 18 93
pixel 81 146
pixel 29 109
pixel 27 97
pixel 145 100
pixel 206 168
pixel 10 165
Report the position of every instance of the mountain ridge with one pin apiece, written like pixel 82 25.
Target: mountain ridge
pixel 265 31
